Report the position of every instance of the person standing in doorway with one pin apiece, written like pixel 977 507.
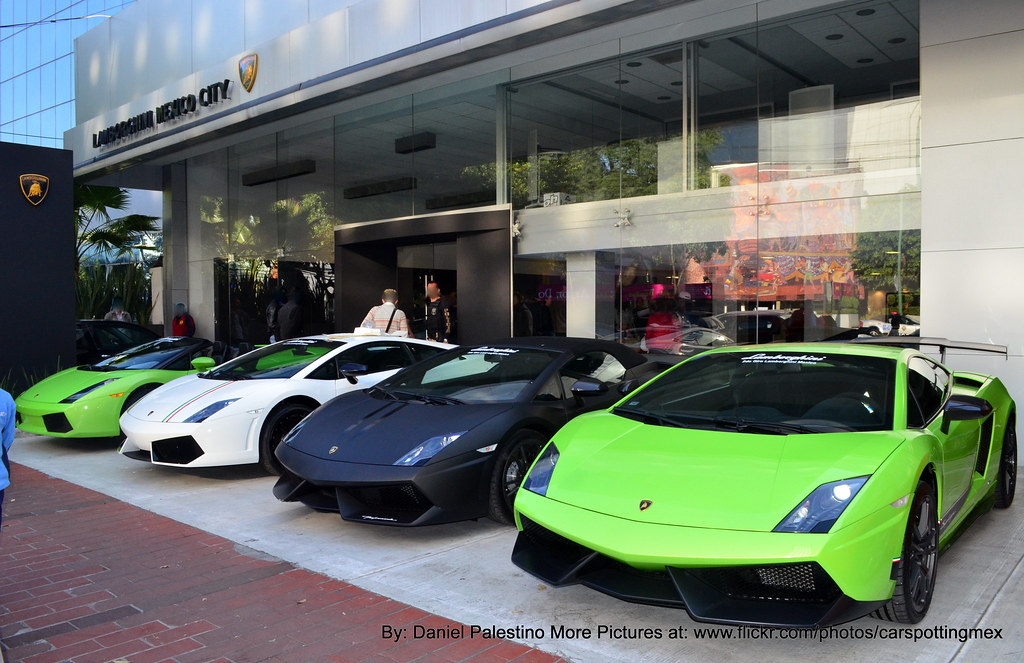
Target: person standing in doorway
pixel 7 410
pixel 388 317
pixel 183 324
pixel 439 317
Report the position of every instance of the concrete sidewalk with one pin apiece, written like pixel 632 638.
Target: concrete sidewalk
pixel 462 572
pixel 85 577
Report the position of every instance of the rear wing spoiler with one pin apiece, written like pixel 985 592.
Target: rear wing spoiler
pixel 942 344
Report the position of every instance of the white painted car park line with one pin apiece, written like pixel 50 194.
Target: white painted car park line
pixel 462 571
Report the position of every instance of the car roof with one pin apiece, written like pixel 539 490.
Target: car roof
pixel 568 344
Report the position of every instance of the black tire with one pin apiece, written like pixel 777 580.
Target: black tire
pixel 873 331
pixel 916 571
pixel 515 458
pixel 1006 479
pixel 277 425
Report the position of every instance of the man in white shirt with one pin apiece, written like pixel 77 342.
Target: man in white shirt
pixel 388 317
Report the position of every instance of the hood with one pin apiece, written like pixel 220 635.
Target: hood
pixel 700 478
pixel 59 386
pixel 178 400
pixel 378 432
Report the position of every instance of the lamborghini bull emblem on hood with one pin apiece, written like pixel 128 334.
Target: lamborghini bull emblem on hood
pixel 645 504
pixel 332 450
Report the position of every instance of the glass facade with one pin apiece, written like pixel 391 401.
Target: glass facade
pixel 37 73
pixel 760 183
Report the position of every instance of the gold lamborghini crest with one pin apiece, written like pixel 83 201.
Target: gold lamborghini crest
pixel 645 504
pixel 247 71
pixel 34 187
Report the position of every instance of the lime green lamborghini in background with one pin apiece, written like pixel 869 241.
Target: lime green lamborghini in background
pixel 87 401
pixel 792 485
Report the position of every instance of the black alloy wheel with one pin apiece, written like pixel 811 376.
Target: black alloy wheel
pixel 916 570
pixel 1006 479
pixel 510 469
pixel 278 424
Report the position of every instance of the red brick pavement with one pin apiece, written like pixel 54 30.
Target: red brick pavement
pixel 84 578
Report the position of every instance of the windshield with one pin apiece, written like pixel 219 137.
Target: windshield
pixel 280 360
pixel 475 375
pixel 771 392
pixel 149 355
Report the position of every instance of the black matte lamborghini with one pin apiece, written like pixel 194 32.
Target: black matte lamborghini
pixel 451 438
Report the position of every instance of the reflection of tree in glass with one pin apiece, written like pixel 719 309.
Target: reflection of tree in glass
pixel 625 169
pixel 875 260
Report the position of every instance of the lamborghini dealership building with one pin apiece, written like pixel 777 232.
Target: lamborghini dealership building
pixel 610 159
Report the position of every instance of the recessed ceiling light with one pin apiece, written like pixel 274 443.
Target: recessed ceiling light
pixel 676 83
pixel 865 12
pixel 865 61
pixel 664 97
pixel 834 37
pixel 634 64
pixel 621 81
pixel 897 40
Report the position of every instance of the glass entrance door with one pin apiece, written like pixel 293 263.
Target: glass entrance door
pixel 418 266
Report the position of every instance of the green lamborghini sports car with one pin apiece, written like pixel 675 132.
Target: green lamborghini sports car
pixel 87 401
pixel 789 485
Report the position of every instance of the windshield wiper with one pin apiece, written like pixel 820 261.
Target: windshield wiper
pixel 646 417
pixel 764 427
pixel 379 389
pixel 432 399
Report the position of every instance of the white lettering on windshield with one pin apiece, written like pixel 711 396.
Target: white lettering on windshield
pixel 765 358
pixel 492 351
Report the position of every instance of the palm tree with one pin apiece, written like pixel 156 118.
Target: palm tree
pixel 97 230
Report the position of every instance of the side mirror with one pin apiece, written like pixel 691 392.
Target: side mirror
pixel 350 371
pixel 203 363
pixel 964 408
pixel 585 388
pixel 628 386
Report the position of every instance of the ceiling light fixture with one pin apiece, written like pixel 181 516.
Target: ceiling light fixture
pixel 897 40
pixel 865 61
pixel 621 81
pixel 865 12
pixel 634 64
pixel 834 36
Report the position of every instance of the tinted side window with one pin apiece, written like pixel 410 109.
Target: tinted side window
pixel 421 352
pixel 595 366
pixel 327 371
pixel 377 357
pixel 926 383
pixel 551 391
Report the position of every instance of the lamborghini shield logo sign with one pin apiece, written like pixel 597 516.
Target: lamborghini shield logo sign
pixel 645 504
pixel 34 187
pixel 332 450
pixel 247 71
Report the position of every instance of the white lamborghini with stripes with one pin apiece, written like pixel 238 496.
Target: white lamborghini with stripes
pixel 238 412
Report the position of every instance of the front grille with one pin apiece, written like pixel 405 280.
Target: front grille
pixel 178 450
pixel 57 423
pixel 554 544
pixel 401 502
pixel 805 582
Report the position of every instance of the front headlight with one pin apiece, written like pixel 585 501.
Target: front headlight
pixel 540 476
pixel 822 508
pixel 78 394
pixel 209 411
pixel 421 454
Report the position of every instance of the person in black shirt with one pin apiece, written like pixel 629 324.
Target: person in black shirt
pixel 439 318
